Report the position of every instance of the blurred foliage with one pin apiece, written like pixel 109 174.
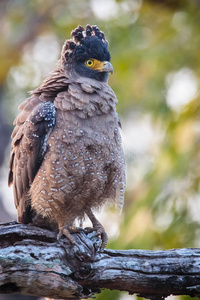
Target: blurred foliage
pixel 155 53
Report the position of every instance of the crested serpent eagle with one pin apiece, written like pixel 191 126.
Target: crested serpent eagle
pixel 66 154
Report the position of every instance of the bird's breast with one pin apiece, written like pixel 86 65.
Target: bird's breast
pixel 86 161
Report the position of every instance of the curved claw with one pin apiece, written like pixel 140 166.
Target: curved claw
pixel 64 231
pixel 99 228
pixel 104 237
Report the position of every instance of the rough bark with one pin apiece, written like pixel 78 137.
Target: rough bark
pixel 33 262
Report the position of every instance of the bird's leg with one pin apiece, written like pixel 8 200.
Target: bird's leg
pixel 99 228
pixel 81 223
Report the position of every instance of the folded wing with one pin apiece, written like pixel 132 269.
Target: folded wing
pixel 29 145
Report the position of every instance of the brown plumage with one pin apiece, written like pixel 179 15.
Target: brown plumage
pixel 66 157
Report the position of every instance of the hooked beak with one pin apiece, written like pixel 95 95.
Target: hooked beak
pixel 107 67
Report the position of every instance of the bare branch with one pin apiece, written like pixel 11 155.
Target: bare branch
pixel 33 262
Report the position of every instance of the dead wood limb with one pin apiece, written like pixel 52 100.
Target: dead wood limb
pixel 33 262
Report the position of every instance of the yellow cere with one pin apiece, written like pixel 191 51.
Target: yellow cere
pixel 95 64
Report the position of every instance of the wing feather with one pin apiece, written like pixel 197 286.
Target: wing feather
pixel 28 148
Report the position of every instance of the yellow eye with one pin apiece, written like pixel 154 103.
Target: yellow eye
pixel 89 63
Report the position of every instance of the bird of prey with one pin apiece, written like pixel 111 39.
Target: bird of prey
pixel 66 154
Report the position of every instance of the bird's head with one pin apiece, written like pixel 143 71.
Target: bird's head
pixel 86 53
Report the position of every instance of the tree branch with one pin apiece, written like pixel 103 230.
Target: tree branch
pixel 33 262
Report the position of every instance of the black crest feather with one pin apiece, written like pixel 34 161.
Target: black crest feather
pixel 84 43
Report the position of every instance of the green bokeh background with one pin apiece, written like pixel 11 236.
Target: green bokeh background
pixel 152 43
